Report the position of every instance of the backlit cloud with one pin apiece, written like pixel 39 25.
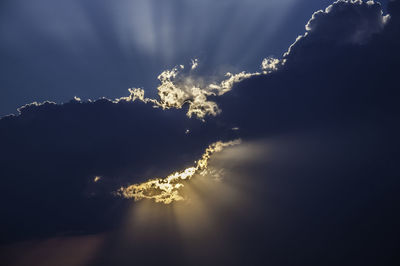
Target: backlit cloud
pixel 344 22
pixel 166 190
pixel 335 81
pixel 270 64
pixel 178 89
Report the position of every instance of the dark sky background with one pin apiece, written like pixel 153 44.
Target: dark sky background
pixel 314 181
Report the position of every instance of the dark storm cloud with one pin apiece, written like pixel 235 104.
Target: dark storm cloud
pixel 51 153
pixel 324 81
pixel 330 198
pixel 320 200
pixel 345 22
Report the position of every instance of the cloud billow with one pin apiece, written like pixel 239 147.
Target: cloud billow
pixel 325 78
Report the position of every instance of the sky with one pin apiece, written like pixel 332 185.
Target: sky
pixel 199 132
pixel 55 50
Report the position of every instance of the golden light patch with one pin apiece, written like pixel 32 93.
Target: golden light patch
pixel 166 190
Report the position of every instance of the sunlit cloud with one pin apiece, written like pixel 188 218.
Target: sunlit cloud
pixel 166 190
pixel 177 89
pixel 195 64
pixel 271 64
pixel 196 225
pixel 76 98
pixel 200 223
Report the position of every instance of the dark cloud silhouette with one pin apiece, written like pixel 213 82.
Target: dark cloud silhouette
pixel 338 208
pixel 322 82
pixel 51 154
pixel 322 191
pixel 345 22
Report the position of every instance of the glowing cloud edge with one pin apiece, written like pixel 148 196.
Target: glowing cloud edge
pixel 166 190
pixel 176 89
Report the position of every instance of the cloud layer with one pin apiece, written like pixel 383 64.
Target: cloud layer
pixel 322 195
